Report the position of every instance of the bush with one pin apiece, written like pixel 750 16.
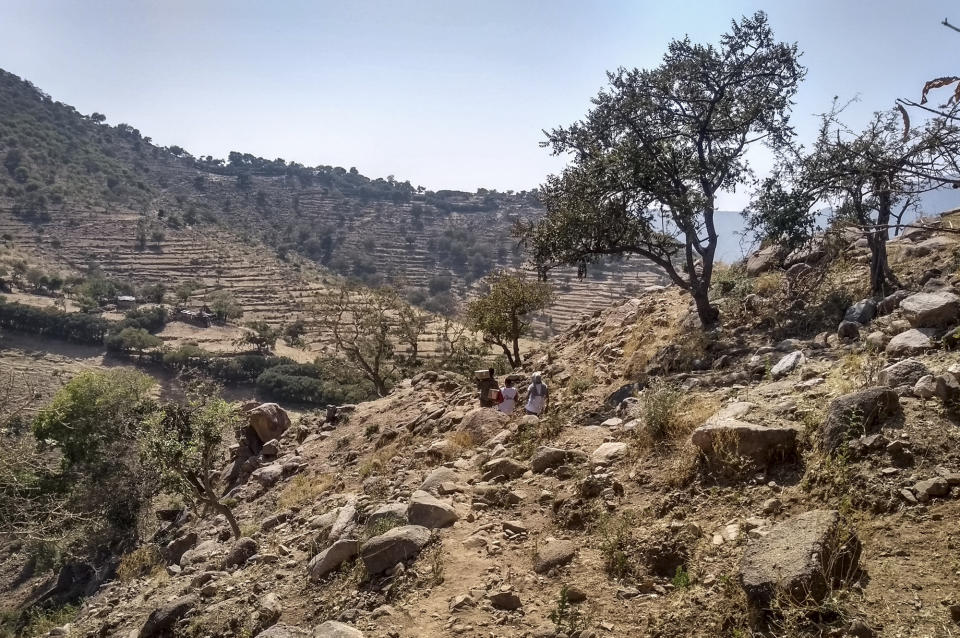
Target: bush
pixel 49 322
pixel 133 340
pixel 659 405
pixel 149 319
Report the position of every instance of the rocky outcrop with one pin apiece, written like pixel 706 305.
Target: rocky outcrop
pixel 801 558
pixel 855 414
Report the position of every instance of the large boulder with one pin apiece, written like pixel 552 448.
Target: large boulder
pixel 438 477
pixel 388 512
pixel 241 550
pixel 332 557
pixel 334 629
pixel 910 342
pixel 175 549
pixel 482 423
pixel 429 511
pixel 906 372
pixel 857 414
pixel 161 620
pixel 503 468
pixel 382 552
pixel 269 421
pixel 801 558
pixel 719 439
pixel 931 309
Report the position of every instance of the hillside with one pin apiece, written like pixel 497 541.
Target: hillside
pixel 63 171
pixel 777 476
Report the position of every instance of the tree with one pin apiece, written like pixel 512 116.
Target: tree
pixel 458 350
pixel 141 234
pixel 411 324
pixel 156 236
pixel 500 312
pixel 94 413
pixel 656 149
pixel 261 335
pixel 225 306
pixel 135 340
pixel 359 321
pixel 868 179
pixel 182 442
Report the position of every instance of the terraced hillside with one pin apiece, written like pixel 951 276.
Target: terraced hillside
pixel 70 173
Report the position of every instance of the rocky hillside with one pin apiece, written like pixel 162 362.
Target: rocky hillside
pixel 63 170
pixel 795 472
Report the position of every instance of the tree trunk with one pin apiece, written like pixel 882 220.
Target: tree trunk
pixel 227 513
pixel 515 324
pixel 380 385
pixel 708 313
pixel 880 272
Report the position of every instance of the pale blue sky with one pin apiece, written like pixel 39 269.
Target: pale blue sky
pixel 446 94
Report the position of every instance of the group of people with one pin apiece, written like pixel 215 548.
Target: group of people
pixel 505 398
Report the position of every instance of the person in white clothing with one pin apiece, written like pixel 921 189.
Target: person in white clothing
pixel 538 396
pixel 508 397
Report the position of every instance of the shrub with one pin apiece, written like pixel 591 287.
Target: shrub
pixel 659 405
pixel 139 562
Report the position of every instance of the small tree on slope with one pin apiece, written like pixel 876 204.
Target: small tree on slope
pixel 182 442
pixel 656 149
pixel 501 312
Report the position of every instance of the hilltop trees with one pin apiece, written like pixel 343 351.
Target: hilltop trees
pixel 656 149
pixel 501 312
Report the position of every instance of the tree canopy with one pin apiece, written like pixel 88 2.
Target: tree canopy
pixel 658 146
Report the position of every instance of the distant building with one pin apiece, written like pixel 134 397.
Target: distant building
pixel 126 301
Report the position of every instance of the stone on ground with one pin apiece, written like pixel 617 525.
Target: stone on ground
pixel 802 557
pixel 504 467
pixel 910 342
pixel 281 630
pixel 931 309
pixel 608 452
pixel 483 423
pixel 334 629
pixel 787 364
pixel 429 511
pixel 269 421
pixel 553 554
pixel 162 619
pixel 382 552
pixel 242 549
pixel 906 372
pixel 861 312
pixel 332 557
pixel 856 414
pixel 759 443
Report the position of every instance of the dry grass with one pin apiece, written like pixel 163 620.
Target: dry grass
pixel 377 462
pixel 669 414
pixel 462 439
pixel 855 371
pixel 303 489
pixel 139 562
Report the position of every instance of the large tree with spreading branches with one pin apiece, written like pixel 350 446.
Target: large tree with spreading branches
pixel 659 145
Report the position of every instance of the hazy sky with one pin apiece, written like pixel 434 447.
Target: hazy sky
pixel 444 93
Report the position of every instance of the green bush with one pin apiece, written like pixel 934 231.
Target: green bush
pixel 49 322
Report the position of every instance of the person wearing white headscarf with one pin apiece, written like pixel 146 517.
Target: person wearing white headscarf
pixel 538 396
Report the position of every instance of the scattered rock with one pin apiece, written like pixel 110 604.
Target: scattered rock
pixel 931 309
pixel 547 457
pixel 331 558
pixel 391 511
pixel 241 550
pixel 787 364
pixel 503 468
pixel 482 423
pixel 436 478
pixel 382 552
pixel 857 413
pixel 905 372
pixel 915 341
pixel 269 421
pixel 162 619
pixel 948 390
pixel 758 443
pixel 608 452
pixel 505 600
pixel 925 387
pixel 848 330
pixel 174 550
pixel 281 630
pixel 891 302
pixel 428 511
pixel 334 629
pixel 930 488
pixel 804 556
pixel 861 312
pixel 553 554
